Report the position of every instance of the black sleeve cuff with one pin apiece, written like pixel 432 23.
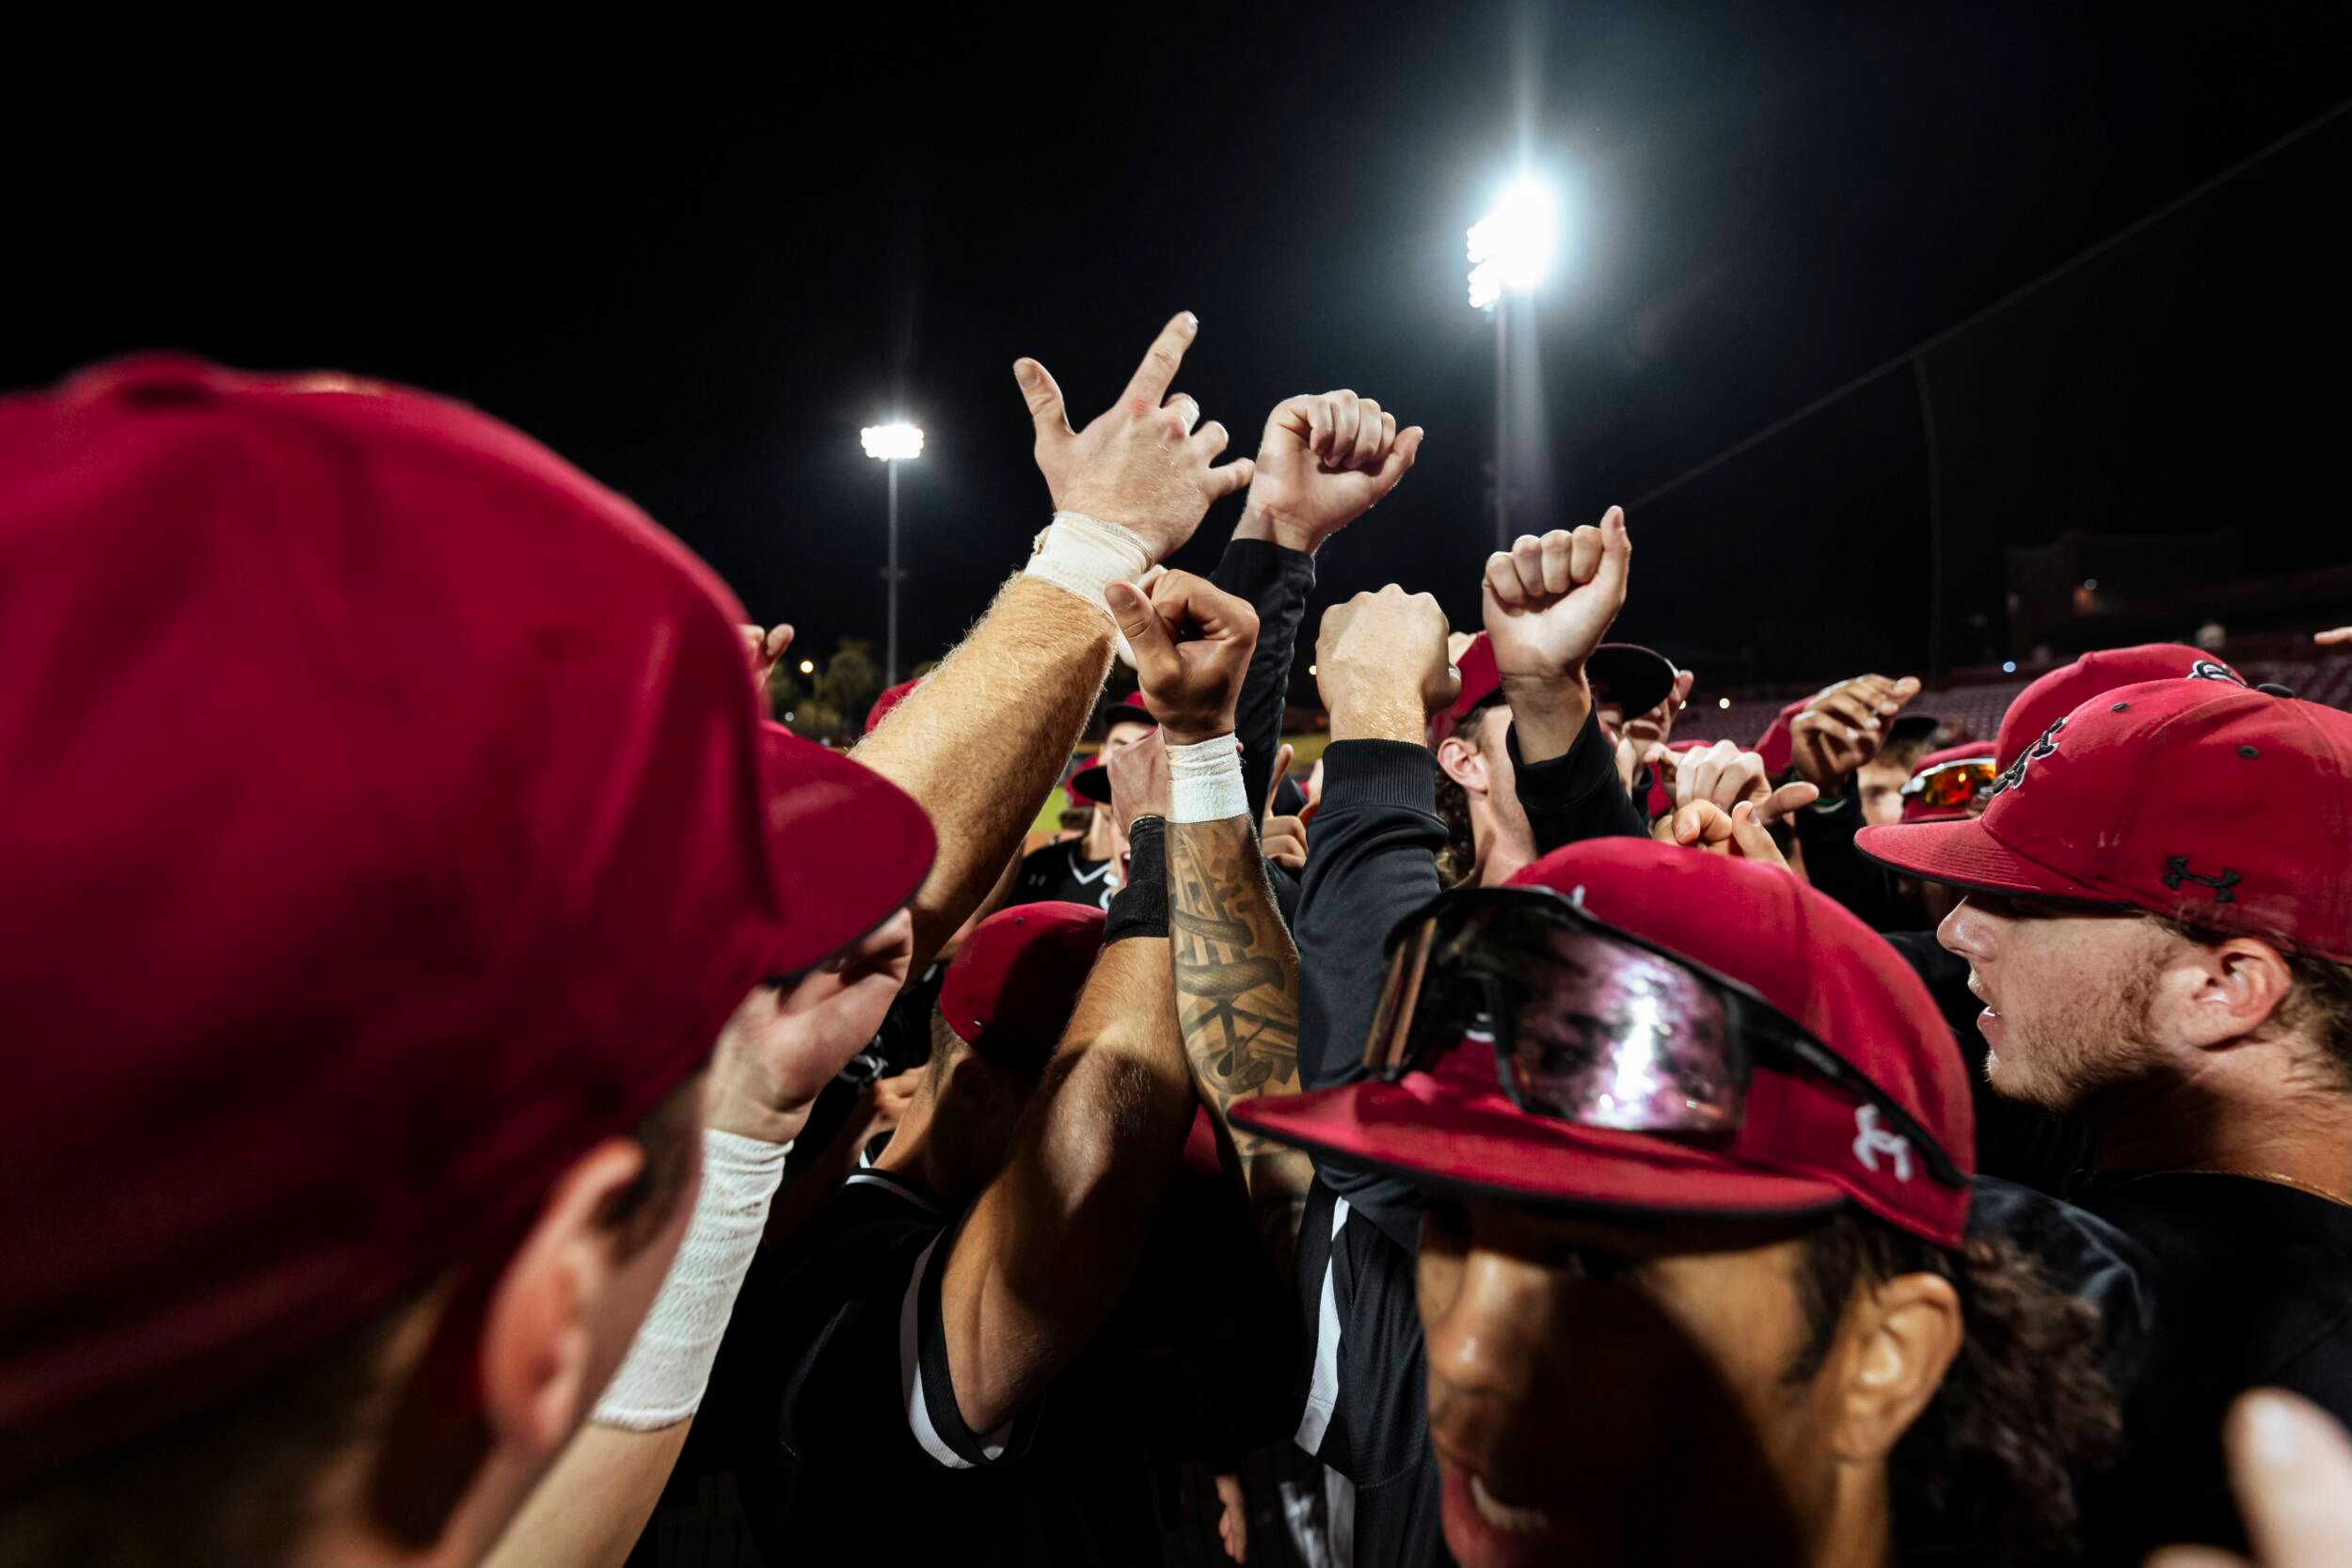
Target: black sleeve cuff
pixel 1251 567
pixel 1140 908
pixel 1569 779
pixel 1358 774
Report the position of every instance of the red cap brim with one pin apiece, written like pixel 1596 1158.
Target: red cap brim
pixel 1091 782
pixel 850 850
pixel 1965 855
pixel 1435 1131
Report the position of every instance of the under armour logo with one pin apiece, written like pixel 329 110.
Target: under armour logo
pixel 2176 871
pixel 2206 670
pixel 1871 1140
pixel 2014 774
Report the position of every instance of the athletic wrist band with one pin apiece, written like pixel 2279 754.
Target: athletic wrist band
pixel 1204 782
pixel 1140 908
pixel 1085 555
pixel 662 1381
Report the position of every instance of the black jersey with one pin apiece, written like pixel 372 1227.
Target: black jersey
pixel 1058 874
pixel 855 1443
pixel 2248 1283
pixel 1365 1412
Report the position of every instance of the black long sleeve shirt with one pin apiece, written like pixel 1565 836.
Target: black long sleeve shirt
pixel 1276 580
pixel 1575 795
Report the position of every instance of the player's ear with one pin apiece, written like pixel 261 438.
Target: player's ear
pixel 1463 764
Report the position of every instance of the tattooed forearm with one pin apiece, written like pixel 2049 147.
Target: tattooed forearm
pixel 1237 1005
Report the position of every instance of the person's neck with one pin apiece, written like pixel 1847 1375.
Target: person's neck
pixel 1499 854
pixel 1102 839
pixel 2246 1122
pixel 1860 1527
pixel 919 1148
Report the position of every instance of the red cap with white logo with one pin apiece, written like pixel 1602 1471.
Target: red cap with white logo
pixel 1803 1145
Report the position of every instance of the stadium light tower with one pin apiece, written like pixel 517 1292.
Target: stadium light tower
pixel 892 444
pixel 1510 251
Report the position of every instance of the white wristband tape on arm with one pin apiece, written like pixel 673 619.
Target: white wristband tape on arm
pixel 1086 555
pixel 1204 782
pixel 662 1381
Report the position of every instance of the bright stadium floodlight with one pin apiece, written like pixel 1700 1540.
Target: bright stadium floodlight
pixel 892 443
pixel 1513 246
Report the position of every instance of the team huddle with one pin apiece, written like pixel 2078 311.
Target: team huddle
pixel 485 1088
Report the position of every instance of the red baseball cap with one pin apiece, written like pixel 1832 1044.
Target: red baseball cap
pixel 1802 1146
pixel 888 700
pixel 1093 780
pixel 1016 979
pixel 387 820
pixel 1479 681
pixel 2168 796
pixel 2062 691
pixel 1916 808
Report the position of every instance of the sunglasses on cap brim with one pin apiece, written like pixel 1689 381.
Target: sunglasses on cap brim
pixel 1952 783
pixel 1594 1027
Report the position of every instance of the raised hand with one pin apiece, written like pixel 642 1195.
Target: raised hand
pixel 1138 780
pixel 1281 839
pixel 765 649
pixel 1325 460
pixel 782 1045
pixel 1725 775
pixel 1843 728
pixel 1192 643
pixel 1140 462
pixel 1381 665
pixel 1549 601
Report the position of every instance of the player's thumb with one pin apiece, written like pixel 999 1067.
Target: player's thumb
pixel 1616 556
pixel 1141 625
pixel 1045 400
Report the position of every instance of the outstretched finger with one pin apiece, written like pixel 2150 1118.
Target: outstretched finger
pixel 1788 798
pixel 1232 477
pixel 1045 400
pixel 1281 771
pixel 1152 378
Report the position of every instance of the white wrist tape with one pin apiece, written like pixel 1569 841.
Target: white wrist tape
pixel 668 1365
pixel 1086 555
pixel 1204 782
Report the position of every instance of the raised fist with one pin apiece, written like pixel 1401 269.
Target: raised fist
pixel 1549 601
pixel 1381 664
pixel 1325 460
pixel 1140 462
pixel 1192 644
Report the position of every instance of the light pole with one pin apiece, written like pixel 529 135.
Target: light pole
pixel 894 444
pixel 1510 251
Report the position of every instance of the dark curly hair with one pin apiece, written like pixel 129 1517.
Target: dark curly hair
pixel 1992 1466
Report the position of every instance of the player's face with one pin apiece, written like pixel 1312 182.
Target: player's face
pixel 2066 995
pixel 1602 1393
pixel 1882 790
pixel 1123 733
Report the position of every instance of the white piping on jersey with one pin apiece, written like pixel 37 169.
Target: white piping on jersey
pixel 1323 1389
pixel 891 1184
pixel 911 1376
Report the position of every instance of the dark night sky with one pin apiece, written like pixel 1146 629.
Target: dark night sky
pixel 697 263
